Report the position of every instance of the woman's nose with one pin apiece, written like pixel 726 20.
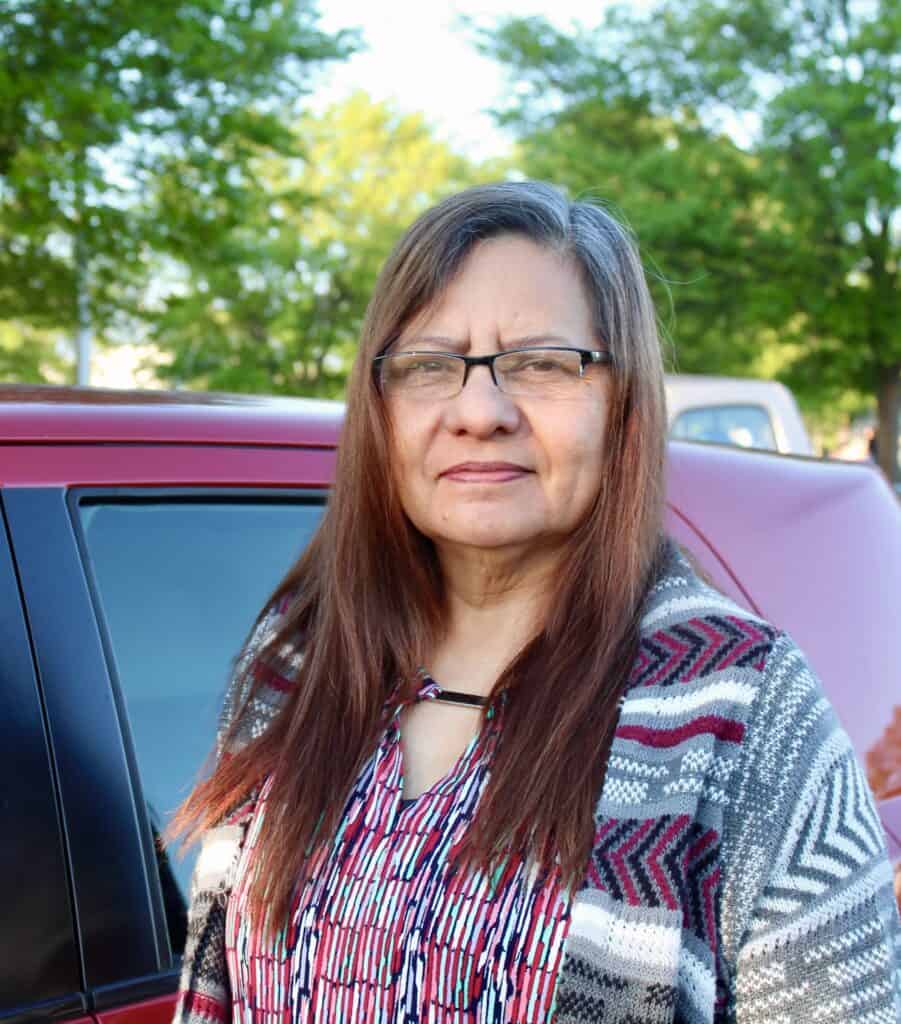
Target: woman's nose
pixel 481 407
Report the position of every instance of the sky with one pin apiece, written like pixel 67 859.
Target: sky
pixel 419 58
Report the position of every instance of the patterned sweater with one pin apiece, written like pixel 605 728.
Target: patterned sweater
pixel 739 870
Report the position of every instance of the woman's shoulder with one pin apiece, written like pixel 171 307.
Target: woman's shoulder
pixel 691 633
pixel 695 685
pixel 728 697
pixel 706 663
pixel 699 644
pixel 679 593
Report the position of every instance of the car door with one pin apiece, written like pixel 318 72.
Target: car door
pixel 138 600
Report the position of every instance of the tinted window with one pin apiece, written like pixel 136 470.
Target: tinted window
pixel 747 426
pixel 180 583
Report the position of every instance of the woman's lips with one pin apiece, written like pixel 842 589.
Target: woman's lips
pixel 485 472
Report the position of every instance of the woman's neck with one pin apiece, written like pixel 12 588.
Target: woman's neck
pixel 495 606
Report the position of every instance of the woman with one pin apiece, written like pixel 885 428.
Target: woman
pixel 494 752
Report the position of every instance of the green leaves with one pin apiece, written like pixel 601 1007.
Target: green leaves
pixel 129 133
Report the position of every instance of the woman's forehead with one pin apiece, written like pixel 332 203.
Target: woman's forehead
pixel 512 286
pixel 460 345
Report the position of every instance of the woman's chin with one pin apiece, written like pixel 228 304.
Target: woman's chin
pixel 489 535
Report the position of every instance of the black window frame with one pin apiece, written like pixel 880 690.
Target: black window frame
pixel 33 751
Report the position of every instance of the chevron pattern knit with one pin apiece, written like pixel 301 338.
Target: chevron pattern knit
pixel 739 870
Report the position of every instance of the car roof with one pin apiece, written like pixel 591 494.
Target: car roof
pixel 730 388
pixel 89 414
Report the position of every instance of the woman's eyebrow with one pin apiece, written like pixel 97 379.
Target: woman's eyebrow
pixel 444 342
pixel 430 341
pixel 535 339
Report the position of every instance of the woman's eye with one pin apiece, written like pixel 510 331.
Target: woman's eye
pixel 428 366
pixel 422 369
pixel 540 365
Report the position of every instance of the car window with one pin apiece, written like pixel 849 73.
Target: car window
pixel 180 582
pixel 747 426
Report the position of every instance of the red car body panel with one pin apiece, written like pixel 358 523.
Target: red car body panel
pixel 128 417
pixel 167 464
pixel 150 1011
pixel 813 546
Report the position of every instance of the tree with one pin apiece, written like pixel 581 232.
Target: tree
pixel 692 198
pixel 31 355
pixel 280 305
pixel 97 98
pixel 798 219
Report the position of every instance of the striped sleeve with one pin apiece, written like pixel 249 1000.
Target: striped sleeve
pixel 810 906
pixel 204 994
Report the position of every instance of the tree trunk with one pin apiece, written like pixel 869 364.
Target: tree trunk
pixel 85 333
pixel 82 300
pixel 889 413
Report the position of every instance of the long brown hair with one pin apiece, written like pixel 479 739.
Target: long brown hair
pixel 366 599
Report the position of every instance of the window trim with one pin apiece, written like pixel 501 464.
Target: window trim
pixel 76 498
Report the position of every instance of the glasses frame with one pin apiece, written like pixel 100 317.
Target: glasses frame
pixel 587 357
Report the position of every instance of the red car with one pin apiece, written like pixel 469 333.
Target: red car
pixel 142 532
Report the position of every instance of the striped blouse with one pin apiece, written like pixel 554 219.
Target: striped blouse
pixel 385 930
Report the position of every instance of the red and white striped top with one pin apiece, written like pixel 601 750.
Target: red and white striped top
pixel 386 930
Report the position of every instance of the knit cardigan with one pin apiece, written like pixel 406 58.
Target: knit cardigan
pixel 739 870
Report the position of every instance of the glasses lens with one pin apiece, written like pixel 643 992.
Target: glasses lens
pixel 425 374
pixel 547 372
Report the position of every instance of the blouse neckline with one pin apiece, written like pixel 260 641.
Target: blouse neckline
pixel 478 749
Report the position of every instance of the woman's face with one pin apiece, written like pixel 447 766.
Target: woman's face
pixel 486 469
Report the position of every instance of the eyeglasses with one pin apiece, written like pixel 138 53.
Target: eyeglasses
pixel 550 372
